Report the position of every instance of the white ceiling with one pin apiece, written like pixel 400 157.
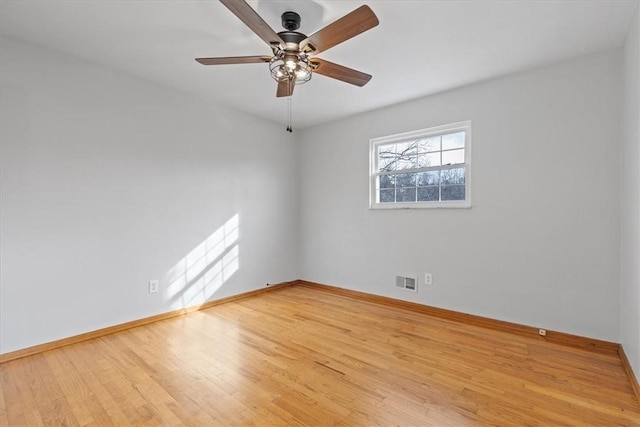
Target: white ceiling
pixel 419 48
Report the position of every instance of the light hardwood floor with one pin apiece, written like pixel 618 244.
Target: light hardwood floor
pixel 302 356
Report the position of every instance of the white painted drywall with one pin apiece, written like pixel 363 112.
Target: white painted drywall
pixel 630 198
pixel 109 181
pixel 540 246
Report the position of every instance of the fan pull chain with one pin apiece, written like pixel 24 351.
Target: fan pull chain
pixel 289 128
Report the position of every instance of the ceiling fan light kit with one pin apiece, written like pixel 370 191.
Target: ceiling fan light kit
pixel 291 62
pixel 288 67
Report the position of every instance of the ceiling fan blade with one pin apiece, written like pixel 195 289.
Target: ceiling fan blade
pixel 340 72
pixel 251 19
pixel 233 60
pixel 350 25
pixel 285 88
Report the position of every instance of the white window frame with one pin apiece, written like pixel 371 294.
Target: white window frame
pixel 464 126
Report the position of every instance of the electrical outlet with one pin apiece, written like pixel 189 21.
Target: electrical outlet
pixel 153 286
pixel 428 279
pixel 542 332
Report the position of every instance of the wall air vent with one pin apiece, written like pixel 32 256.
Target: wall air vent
pixel 407 283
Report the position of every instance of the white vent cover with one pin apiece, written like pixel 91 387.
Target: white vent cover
pixel 407 283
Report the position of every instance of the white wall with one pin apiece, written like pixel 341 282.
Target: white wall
pixel 630 231
pixel 540 246
pixel 109 181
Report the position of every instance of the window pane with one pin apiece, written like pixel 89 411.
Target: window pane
pixel 387 196
pixel 453 192
pixel 429 144
pixel 386 181
pixel 429 178
pixel 386 157
pixel 406 195
pixel 428 194
pixel 405 155
pixel 422 161
pixel 453 176
pixel 453 140
pixel 406 180
pixel 429 159
pixel 406 161
pixel 408 148
pixel 453 157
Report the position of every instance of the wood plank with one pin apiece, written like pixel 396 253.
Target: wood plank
pixel 591 344
pixel 530 331
pixel 12 355
pixel 305 356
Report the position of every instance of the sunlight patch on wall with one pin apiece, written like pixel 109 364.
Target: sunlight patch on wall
pixel 197 276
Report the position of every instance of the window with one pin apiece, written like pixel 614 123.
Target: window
pixel 428 168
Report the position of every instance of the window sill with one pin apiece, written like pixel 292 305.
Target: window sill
pixel 435 205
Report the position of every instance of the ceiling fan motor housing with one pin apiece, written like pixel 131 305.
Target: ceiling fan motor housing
pixel 292 37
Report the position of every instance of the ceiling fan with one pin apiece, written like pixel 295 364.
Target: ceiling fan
pixel 291 62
